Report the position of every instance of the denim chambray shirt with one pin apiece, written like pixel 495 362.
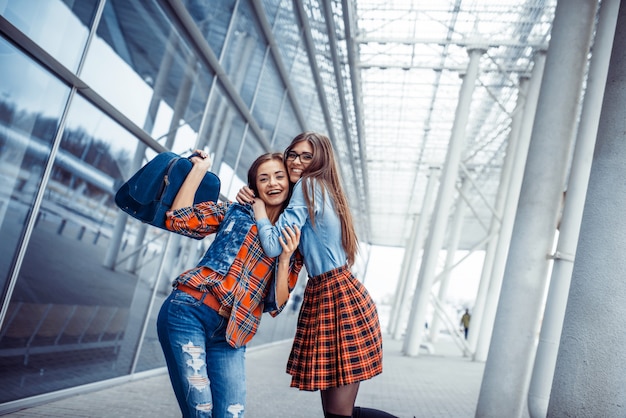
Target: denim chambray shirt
pixel 320 245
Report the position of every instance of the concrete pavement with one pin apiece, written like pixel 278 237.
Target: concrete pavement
pixel 441 384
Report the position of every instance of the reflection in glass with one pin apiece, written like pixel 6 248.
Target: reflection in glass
pixel 271 97
pixel 29 120
pixel 243 59
pixel 212 18
pixel 140 64
pixel 225 137
pixel 288 35
pixel 80 308
pixel 76 321
pixel 287 127
pixel 59 27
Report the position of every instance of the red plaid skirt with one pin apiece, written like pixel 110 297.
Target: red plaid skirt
pixel 338 339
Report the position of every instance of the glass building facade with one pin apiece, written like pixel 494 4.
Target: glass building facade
pixel 90 90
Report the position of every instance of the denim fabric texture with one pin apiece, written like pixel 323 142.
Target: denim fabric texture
pixel 207 374
pixel 230 236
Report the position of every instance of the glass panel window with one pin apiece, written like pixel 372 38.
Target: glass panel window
pixel 79 319
pixel 272 9
pixel 31 105
pixel 213 19
pixel 270 98
pixel 238 154
pixel 287 127
pixel 59 27
pixel 287 34
pixel 140 64
pixel 245 52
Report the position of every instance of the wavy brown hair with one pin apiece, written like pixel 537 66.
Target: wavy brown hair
pixel 253 172
pixel 323 168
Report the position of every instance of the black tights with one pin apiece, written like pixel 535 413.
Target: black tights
pixel 339 403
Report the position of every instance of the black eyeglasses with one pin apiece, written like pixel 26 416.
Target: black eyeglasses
pixel 305 157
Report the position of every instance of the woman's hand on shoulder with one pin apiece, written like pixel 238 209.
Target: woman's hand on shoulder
pixel 289 241
pixel 258 206
pixel 245 195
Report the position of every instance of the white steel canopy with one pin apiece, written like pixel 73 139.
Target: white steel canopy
pixel 402 62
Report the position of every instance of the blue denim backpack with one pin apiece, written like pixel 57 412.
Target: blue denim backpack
pixel 149 193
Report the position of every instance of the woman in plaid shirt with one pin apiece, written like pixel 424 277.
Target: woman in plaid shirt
pixel 215 308
pixel 338 340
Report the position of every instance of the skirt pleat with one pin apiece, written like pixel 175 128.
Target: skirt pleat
pixel 338 339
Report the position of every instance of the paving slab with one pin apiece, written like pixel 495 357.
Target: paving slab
pixel 438 384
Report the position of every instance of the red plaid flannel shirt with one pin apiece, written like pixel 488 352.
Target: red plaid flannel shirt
pixel 248 280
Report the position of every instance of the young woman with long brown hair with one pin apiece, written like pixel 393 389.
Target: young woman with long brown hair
pixel 338 340
pixel 215 308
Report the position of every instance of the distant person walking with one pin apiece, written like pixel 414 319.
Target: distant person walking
pixel 465 321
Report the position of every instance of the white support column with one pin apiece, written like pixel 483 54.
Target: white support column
pixel 547 349
pixel 415 330
pixel 453 244
pixel 496 219
pixel 411 273
pixel 506 377
pixel 589 374
pixel 510 208
pixel 407 259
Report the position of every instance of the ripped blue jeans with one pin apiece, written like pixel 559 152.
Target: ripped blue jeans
pixel 207 374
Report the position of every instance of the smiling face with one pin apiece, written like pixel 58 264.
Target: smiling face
pixel 303 151
pixel 272 183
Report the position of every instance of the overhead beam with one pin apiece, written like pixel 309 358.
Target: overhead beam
pixel 453 68
pixel 463 43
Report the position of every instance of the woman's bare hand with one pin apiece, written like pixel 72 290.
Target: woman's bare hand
pixel 289 241
pixel 201 160
pixel 245 195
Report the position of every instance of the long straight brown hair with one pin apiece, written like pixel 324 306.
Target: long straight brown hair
pixel 323 168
